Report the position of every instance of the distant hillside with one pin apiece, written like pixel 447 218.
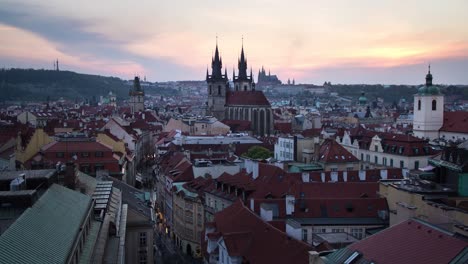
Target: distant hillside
pixel 393 93
pixel 38 85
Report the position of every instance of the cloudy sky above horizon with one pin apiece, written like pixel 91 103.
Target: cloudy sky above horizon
pixel 341 41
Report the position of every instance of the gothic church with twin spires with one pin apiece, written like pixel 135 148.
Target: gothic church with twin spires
pixel 240 105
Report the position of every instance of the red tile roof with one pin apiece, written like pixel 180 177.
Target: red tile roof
pixel 76 146
pixel 455 122
pixel 283 127
pixel 246 235
pixel 237 125
pixel 335 189
pixel 332 152
pixel 256 98
pixel 411 241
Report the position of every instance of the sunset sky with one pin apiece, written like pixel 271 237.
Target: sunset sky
pixel 361 41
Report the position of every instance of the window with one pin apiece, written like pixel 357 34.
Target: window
pixel 304 235
pixel 98 167
pixel 209 89
pixel 419 104
pixel 143 258
pixel 402 164
pixel 337 230
pixel 60 155
pixel 391 162
pixel 219 89
pixel 142 239
pixel 376 148
pixel 367 157
pixel 376 159
pixel 84 154
pixel 333 169
pixel 357 233
pixel 434 105
pixel 85 168
pixel 384 161
pixel 99 154
pixel 416 165
pixel 362 156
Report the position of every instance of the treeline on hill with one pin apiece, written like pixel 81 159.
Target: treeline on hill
pixel 393 93
pixel 38 85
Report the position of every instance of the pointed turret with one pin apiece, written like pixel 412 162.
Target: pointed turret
pixel 242 66
pixel 216 65
pixel 429 77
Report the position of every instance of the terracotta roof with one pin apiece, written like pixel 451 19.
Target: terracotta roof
pixel 335 189
pixel 76 146
pixel 237 125
pixel 332 152
pixel 411 241
pixel 312 132
pixel 455 122
pixel 256 241
pixel 283 127
pixel 246 98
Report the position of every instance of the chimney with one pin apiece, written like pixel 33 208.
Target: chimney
pixel 70 176
pixel 305 177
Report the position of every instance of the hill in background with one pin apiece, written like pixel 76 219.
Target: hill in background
pixel 38 85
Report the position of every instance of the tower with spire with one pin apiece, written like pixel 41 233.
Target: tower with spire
pixel 218 86
pixel 243 82
pixel 137 96
pixel 428 110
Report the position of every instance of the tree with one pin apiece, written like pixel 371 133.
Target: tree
pixel 257 152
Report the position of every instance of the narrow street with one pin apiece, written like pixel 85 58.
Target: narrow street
pixel 166 252
pixel 164 249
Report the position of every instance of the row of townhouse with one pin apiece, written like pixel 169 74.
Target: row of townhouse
pixel 378 149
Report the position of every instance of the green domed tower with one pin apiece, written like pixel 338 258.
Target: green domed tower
pixel 362 99
pixel 428 110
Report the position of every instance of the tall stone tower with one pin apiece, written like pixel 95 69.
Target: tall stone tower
pixel 218 86
pixel 243 82
pixel 137 97
pixel 428 110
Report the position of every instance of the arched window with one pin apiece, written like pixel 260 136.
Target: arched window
pixel 419 104
pixel 219 89
pixel 434 105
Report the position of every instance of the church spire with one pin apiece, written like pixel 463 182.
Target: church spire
pixel 242 65
pixel 216 64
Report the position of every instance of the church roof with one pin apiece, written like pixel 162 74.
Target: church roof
pixel 256 98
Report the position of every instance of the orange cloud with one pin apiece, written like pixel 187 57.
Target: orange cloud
pixel 23 45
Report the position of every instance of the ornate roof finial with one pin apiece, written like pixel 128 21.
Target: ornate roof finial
pixel 429 76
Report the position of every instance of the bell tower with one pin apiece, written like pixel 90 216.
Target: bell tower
pixel 137 97
pixel 218 86
pixel 428 110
